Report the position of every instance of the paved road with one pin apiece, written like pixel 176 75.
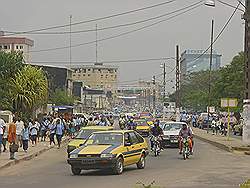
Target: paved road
pixel 209 167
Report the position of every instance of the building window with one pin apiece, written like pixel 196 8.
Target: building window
pixel 100 70
pixel 21 47
pixel 5 47
pixel 89 69
pixel 1 47
pixel 84 70
pixel 83 75
pixel 88 74
pixel 74 74
pixel 111 75
pixel 17 47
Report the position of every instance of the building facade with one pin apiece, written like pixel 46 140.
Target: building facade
pixel 192 61
pixel 19 44
pixel 97 76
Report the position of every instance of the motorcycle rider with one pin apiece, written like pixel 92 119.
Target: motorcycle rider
pixel 184 133
pixel 122 121
pixel 131 124
pixel 156 131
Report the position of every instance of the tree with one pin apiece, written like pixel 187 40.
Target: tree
pixel 10 64
pixel 29 89
pixel 61 97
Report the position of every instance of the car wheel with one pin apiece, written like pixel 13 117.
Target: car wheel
pixel 118 169
pixel 142 162
pixel 76 171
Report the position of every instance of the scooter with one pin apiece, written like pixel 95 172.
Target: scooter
pixel 156 146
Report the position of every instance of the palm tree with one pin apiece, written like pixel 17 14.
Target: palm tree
pixel 29 89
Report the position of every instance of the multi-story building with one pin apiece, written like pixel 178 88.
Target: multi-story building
pixel 96 76
pixel 192 61
pixel 22 44
pixel 59 77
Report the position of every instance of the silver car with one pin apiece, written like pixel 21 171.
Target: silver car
pixel 171 133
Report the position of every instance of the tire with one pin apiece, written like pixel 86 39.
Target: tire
pixel 118 169
pixel 141 163
pixel 76 171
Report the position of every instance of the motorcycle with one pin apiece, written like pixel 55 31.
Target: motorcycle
pixel 156 146
pixel 185 148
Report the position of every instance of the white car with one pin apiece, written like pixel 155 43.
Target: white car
pixel 171 133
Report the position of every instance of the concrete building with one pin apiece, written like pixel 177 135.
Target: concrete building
pixel 22 44
pixel 189 62
pixel 96 76
pixel 59 77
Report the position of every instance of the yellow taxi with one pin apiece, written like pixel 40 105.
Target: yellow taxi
pixel 142 127
pixel 110 150
pixel 83 134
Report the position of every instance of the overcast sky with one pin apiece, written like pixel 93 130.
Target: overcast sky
pixel 190 31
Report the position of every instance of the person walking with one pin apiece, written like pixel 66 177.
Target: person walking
pixel 19 129
pixel 25 137
pixel 52 132
pixel 2 128
pixel 33 133
pixel 12 138
pixel 5 137
pixel 59 132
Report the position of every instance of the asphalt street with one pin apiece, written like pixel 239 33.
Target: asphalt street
pixel 208 167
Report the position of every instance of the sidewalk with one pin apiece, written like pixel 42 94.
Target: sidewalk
pixel 231 145
pixel 20 156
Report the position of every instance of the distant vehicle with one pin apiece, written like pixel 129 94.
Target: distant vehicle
pixel 142 127
pixel 110 150
pixel 171 133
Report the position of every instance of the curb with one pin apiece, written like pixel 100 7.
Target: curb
pixel 216 144
pixel 31 156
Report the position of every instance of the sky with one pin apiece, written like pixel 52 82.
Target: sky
pixel 190 31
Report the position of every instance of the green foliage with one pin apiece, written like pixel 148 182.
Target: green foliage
pixel 226 82
pixel 10 64
pixel 61 97
pixel 28 89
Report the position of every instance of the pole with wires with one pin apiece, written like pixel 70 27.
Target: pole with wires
pixel 70 41
pixel 177 92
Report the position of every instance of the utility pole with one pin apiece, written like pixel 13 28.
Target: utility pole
pixel 70 41
pixel 209 77
pixel 154 96
pixel 246 107
pixel 177 84
pixel 164 81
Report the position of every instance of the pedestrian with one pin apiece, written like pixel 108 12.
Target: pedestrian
pixel 5 137
pixel 38 126
pixel 52 131
pixel 33 133
pixel 12 138
pixel 2 128
pixel 19 129
pixel 43 130
pixel 59 132
pixel 213 126
pixel 25 137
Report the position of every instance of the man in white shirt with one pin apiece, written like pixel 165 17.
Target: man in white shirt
pixel 2 127
pixel 19 129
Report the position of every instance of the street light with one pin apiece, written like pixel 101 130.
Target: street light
pixel 210 3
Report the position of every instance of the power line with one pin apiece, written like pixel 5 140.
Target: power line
pixel 198 4
pixel 220 33
pixel 96 19
pixel 108 61
pixel 106 28
pixel 227 4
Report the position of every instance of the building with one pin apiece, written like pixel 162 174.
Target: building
pixel 59 77
pixel 21 44
pixel 96 76
pixel 189 62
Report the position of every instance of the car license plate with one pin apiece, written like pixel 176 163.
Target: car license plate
pixel 174 141
pixel 88 161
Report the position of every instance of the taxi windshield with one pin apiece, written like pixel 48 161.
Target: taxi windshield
pixel 172 127
pixel 84 134
pixel 105 139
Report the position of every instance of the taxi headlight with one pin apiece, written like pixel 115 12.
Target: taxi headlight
pixel 73 156
pixel 107 155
